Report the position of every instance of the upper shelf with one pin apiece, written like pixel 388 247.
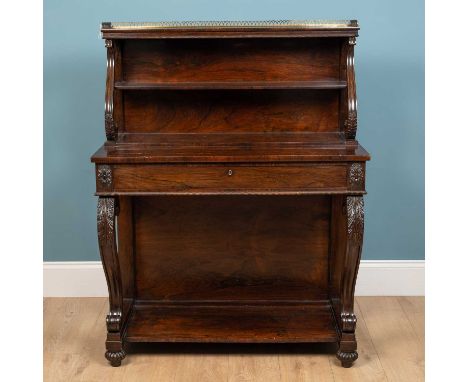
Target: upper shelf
pixel 332 84
pixel 223 29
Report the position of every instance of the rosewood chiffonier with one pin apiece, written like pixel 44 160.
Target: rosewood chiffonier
pixel 231 183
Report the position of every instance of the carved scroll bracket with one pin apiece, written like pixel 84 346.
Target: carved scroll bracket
pixel 351 120
pixel 111 129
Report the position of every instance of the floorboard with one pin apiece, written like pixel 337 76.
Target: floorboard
pixel 390 335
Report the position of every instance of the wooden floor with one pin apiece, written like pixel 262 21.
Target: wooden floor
pixel 390 335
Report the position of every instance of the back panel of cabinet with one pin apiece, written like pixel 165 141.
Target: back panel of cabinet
pixel 233 111
pixel 160 82
pixel 234 248
pixel 231 60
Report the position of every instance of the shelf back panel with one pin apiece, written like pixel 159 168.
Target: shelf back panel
pixel 231 60
pixel 232 248
pixel 237 111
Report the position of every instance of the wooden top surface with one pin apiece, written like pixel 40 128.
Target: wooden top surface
pixel 238 148
pixel 220 29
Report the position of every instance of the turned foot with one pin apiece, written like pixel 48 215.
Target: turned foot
pixel 347 358
pixel 347 353
pixel 115 358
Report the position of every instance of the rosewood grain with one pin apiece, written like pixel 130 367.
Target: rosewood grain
pixel 231 248
pixel 249 111
pixel 245 148
pixel 247 324
pixel 229 178
pixel 231 60
pixel 230 183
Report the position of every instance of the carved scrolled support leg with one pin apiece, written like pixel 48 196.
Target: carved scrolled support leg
pixel 107 210
pixel 354 206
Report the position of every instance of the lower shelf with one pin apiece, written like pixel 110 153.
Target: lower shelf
pixel 232 323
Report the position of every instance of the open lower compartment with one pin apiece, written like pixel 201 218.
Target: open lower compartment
pixel 230 268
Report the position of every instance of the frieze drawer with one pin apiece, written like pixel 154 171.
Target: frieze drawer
pixel 193 179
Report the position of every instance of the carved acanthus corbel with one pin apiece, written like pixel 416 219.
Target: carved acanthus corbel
pixel 355 211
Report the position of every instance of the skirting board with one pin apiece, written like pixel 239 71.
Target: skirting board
pixel 375 278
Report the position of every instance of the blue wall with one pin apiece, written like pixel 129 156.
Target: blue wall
pixel 390 78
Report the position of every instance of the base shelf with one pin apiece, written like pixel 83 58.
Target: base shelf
pixel 229 323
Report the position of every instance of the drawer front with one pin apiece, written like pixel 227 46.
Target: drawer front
pixel 212 179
